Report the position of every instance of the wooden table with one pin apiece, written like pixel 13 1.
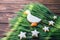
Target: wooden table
pixel 8 9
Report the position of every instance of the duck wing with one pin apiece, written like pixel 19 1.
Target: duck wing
pixel 32 18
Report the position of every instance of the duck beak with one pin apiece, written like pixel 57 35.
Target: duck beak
pixel 25 13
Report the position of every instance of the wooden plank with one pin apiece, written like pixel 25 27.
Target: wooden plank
pixel 25 2
pixel 3 29
pixel 15 8
pixel 56 6
pixel 10 7
pixel 4 17
pixel 54 10
pixel 52 1
pixel 17 1
pixel 2 34
pixel 44 1
pixel 29 1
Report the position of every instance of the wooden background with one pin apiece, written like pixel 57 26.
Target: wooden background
pixel 8 9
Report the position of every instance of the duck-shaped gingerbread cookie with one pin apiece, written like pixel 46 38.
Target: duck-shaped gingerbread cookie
pixel 32 19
